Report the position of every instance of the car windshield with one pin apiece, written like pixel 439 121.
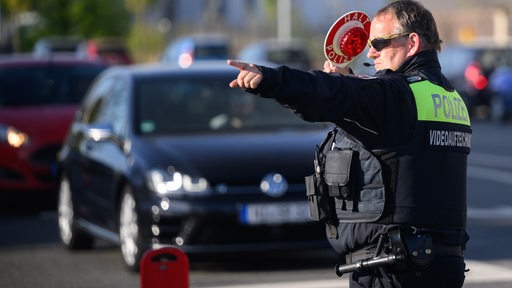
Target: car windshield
pixel 455 59
pixel 490 59
pixel 35 86
pixel 211 52
pixel 206 105
pixel 283 56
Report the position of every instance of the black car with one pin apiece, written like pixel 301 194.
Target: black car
pixel 165 156
pixel 469 69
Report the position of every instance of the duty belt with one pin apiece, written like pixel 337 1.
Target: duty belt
pixel 400 249
pixel 437 249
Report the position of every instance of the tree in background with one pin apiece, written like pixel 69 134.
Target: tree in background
pixel 13 10
pixel 100 18
pixel 144 39
pixel 86 19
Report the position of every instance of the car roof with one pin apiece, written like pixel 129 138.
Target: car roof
pixel 204 38
pixel 276 43
pixel 56 44
pixel 31 60
pixel 198 67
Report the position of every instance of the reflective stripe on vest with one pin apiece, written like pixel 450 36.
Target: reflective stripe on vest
pixel 434 103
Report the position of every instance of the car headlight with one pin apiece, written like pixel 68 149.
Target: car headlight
pixel 13 136
pixel 173 182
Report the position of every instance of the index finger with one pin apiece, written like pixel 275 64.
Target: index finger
pixel 238 65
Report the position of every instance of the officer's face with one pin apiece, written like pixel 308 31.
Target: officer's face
pixel 390 47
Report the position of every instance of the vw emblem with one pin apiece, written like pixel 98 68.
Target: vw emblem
pixel 274 185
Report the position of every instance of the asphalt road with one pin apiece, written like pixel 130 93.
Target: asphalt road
pixel 31 256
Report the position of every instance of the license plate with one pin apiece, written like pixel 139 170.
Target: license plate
pixel 274 213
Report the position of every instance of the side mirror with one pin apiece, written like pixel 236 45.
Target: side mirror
pixel 105 132
pixel 100 132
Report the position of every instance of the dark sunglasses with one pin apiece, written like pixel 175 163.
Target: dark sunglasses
pixel 383 42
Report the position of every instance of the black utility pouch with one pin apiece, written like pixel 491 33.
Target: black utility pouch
pixel 313 198
pixel 338 166
pixel 419 249
pixel 320 206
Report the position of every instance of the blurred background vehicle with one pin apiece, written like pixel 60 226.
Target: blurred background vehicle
pixel 169 156
pixel 57 44
pixel 500 83
pixel 38 98
pixel 293 53
pixel 111 51
pixel 469 68
pixel 187 49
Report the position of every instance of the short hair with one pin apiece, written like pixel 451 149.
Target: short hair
pixel 412 17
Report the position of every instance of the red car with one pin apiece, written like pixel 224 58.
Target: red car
pixel 38 99
pixel 110 51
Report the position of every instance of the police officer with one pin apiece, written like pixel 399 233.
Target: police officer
pixel 394 169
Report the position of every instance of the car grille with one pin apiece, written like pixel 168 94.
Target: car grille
pixel 9 174
pixel 205 232
pixel 236 234
pixel 46 154
pixel 46 177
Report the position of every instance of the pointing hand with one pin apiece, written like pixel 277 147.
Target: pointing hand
pixel 248 78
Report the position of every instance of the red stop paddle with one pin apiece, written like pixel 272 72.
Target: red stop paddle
pixel 347 38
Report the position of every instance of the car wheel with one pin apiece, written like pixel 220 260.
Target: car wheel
pixel 70 234
pixel 129 231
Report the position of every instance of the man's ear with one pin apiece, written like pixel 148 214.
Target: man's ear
pixel 414 44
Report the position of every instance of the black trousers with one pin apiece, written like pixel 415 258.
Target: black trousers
pixel 445 272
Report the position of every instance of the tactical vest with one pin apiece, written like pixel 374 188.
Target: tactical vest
pixel 422 183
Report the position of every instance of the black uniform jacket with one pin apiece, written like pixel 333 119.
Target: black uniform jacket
pixel 379 111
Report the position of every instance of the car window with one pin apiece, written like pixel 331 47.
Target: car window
pixel 490 59
pixel 283 56
pixel 201 48
pixel 115 107
pixel 108 103
pixel 94 101
pixel 455 60
pixel 29 86
pixel 205 105
pixel 211 52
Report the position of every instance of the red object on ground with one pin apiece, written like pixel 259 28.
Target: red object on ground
pixel 164 268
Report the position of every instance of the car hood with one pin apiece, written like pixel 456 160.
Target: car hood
pixel 240 159
pixel 45 122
